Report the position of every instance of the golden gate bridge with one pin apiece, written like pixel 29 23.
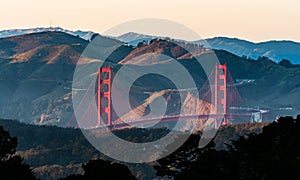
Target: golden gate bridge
pixel 219 91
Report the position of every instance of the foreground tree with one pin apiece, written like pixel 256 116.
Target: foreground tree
pixel 272 154
pixel 11 165
pixel 101 169
pixel 178 161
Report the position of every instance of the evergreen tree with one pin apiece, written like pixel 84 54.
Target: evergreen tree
pixel 101 169
pixel 11 165
pixel 272 154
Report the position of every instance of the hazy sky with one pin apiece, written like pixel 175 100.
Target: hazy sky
pixel 256 20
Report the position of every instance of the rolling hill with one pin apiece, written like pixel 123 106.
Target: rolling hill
pixel 35 70
pixel 36 73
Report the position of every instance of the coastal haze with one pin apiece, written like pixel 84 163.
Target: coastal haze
pixel 254 20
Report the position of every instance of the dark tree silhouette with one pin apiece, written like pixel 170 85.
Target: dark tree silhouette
pixel 286 63
pixel 211 164
pixel 8 144
pixel 176 162
pixel 11 166
pixel 263 58
pixel 189 162
pixel 272 154
pixel 101 169
pixel 94 36
pixel 107 170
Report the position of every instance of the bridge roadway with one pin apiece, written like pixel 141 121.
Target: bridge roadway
pixel 172 118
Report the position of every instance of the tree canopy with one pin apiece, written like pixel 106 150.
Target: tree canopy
pixel 101 169
pixel 11 165
pixel 272 154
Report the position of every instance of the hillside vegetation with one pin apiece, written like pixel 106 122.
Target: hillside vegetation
pixel 55 152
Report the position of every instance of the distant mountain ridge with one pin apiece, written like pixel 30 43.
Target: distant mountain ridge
pixel 15 32
pixel 274 50
pixel 133 38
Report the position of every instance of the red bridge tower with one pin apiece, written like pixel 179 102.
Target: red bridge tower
pixel 104 92
pixel 220 92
